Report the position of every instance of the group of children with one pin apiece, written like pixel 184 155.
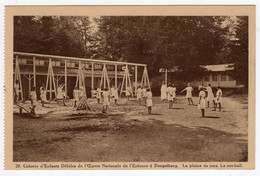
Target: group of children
pixel 205 95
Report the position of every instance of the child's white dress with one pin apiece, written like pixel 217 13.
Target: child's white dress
pixel 188 92
pixel 163 92
pixel 116 93
pixel 33 98
pixel 170 93
pixel 59 93
pixel 76 94
pixel 210 96
pixel 219 94
pixel 149 100
pixel 202 104
pixel 139 93
pixel 99 93
pixel 144 92
pixel 106 98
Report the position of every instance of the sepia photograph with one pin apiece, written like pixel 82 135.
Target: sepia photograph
pixel 130 88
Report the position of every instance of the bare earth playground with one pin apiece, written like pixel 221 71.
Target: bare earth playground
pixel 167 135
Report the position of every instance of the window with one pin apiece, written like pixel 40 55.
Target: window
pixel 214 77
pixel 29 62
pixel 230 78
pixel 207 77
pixel 223 77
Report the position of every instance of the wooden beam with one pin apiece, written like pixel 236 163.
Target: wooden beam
pixel 115 75
pixel 135 79
pixel 78 59
pixel 66 79
pixel 34 72
pixel 92 76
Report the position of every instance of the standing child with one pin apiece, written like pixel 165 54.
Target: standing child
pixel 116 94
pixel 210 96
pixel 170 95
pixel 106 100
pixel 144 91
pixel 188 90
pixel 99 91
pixel 33 98
pixel 43 95
pixel 128 92
pixel 149 100
pixel 16 91
pixel 174 93
pixel 202 102
pixel 163 91
pixel 75 96
pixel 139 94
pixel 218 98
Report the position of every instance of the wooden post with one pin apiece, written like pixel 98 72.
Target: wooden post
pixel 50 82
pixel 66 81
pixel 29 79
pixel 104 69
pixel 115 75
pixel 92 76
pixel 135 79
pixel 166 74
pixel 34 72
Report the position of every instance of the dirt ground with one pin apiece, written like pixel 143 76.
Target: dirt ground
pixel 126 133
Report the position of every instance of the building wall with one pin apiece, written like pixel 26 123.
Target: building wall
pixel 221 79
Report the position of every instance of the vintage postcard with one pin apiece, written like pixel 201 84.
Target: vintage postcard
pixel 129 87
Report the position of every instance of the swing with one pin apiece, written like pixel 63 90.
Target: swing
pixel 17 77
pixel 50 84
pixel 105 82
pixel 145 80
pixel 126 83
pixel 80 83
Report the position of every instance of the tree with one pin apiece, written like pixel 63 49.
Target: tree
pixel 163 42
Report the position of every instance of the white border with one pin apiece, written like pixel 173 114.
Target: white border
pixel 139 172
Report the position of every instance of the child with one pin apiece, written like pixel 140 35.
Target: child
pixel 144 91
pixel 75 96
pixel 106 97
pixel 16 91
pixel 188 90
pixel 174 93
pixel 139 94
pixel 149 100
pixel 64 97
pixel 43 95
pixel 218 98
pixel 33 98
pixel 99 94
pixel 59 96
pixel 202 102
pixel 210 96
pixel 163 91
pixel 170 92
pixel 116 94
pixel 128 92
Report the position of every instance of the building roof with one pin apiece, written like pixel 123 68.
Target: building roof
pixel 219 68
pixel 212 68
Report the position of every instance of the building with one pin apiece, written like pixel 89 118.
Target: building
pixel 216 75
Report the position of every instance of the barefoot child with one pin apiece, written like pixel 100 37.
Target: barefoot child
pixel 33 98
pixel 170 92
pixel 163 91
pixel 139 94
pixel 75 96
pixel 218 98
pixel 149 100
pixel 188 90
pixel 202 102
pixel 106 97
pixel 16 91
pixel 210 96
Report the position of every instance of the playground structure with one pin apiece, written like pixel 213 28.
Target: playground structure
pixel 37 69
